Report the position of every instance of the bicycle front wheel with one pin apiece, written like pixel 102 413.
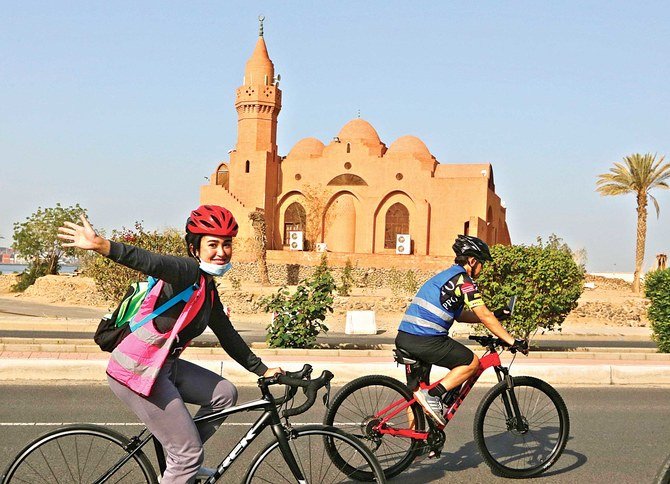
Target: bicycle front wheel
pixel 528 447
pixel 323 454
pixel 356 407
pixel 78 453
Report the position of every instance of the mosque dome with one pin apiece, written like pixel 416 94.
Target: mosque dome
pixel 409 144
pixel 306 147
pixel 358 129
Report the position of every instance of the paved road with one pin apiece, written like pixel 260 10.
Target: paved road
pixel 618 435
pixel 17 307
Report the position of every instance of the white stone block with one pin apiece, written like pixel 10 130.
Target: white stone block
pixel 361 322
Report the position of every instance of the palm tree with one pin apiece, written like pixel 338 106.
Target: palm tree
pixel 638 174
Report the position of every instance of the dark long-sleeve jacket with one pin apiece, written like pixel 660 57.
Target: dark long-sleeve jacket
pixel 178 273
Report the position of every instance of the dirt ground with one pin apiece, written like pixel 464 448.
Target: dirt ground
pixel 604 302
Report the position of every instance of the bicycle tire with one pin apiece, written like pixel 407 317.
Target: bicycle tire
pixel 76 454
pixel 534 450
pixel 312 446
pixel 353 408
pixel 663 475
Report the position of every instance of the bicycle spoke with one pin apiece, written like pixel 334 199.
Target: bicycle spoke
pixel 36 472
pixel 46 461
pixel 67 464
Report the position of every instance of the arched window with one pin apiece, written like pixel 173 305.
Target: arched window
pixel 222 175
pixel 466 228
pixel 295 218
pixel 397 222
pixel 348 147
pixel 246 166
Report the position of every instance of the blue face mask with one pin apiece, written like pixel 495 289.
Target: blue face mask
pixel 215 269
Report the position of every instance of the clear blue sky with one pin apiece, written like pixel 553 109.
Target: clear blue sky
pixel 125 107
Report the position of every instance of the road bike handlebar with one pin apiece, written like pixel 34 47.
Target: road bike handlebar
pixel 295 380
pixel 311 388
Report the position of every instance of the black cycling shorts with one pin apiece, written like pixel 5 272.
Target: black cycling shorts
pixel 433 350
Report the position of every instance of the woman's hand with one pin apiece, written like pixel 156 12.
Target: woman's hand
pixel 273 371
pixel 83 237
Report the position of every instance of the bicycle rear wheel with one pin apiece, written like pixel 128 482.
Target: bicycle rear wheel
pixel 511 452
pixel 354 410
pixel 313 448
pixel 80 453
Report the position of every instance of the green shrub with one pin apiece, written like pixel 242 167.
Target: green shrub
pixel 347 279
pixel 28 277
pixel 235 283
pixel 298 317
pixel 657 290
pixel 403 283
pixel 113 279
pixel 545 279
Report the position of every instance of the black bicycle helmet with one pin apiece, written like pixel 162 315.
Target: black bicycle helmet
pixel 472 246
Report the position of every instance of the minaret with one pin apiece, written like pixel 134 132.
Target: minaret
pixel 254 164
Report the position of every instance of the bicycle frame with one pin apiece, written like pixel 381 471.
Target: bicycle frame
pixel 269 418
pixel 490 359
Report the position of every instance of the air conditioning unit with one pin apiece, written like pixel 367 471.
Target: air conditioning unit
pixel 321 247
pixel 296 240
pixel 403 244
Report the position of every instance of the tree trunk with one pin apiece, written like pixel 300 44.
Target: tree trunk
pixel 53 264
pixel 260 228
pixel 641 239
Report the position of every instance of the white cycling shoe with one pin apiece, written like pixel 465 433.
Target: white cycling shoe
pixel 431 405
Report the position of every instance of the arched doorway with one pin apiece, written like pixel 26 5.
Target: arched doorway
pixel 295 218
pixel 340 224
pixel 397 222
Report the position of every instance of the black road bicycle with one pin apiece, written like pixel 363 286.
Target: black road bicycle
pixel 84 453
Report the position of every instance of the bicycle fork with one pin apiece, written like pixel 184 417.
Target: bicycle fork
pixel 514 420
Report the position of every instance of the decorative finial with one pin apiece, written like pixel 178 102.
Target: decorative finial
pixel 359 113
pixel 260 27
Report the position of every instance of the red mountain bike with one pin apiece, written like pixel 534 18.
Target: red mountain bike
pixel 521 425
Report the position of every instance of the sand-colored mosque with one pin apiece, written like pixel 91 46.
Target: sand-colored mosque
pixel 366 192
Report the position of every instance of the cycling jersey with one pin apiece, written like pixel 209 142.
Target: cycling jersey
pixel 439 302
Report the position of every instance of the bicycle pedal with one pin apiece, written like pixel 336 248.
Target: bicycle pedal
pixel 434 454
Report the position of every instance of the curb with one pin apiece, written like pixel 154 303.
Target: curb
pixel 78 345
pixel 41 371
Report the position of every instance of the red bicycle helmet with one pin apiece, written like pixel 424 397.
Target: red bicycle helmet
pixel 212 220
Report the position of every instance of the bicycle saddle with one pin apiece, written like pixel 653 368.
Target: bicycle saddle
pixel 404 358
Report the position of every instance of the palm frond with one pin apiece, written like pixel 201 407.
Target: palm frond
pixel 637 174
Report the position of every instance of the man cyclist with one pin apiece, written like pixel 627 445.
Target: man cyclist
pixel 424 331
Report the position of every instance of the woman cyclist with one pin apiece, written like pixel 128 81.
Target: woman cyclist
pixel 145 370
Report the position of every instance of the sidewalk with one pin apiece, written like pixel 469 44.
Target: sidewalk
pixel 40 360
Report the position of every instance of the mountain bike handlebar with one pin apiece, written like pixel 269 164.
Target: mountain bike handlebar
pixel 491 342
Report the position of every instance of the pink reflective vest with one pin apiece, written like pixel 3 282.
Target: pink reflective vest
pixel 138 359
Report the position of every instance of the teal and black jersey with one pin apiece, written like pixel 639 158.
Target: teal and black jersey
pixel 439 302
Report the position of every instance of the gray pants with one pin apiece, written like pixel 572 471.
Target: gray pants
pixel 165 414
